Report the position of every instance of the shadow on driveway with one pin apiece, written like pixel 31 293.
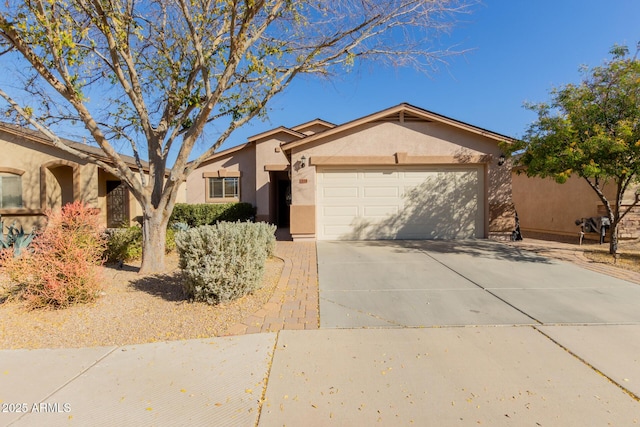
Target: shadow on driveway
pixel 465 282
pixel 474 248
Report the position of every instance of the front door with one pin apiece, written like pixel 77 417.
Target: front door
pixel 283 203
pixel 117 204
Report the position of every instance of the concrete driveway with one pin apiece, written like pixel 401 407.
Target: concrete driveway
pixel 451 283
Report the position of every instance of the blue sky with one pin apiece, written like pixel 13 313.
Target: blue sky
pixel 520 50
pixel 517 51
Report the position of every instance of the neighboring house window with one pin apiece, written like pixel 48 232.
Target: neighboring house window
pixel 10 190
pixel 220 188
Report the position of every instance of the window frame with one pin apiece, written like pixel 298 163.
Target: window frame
pixel 11 173
pixel 224 178
pixel 223 182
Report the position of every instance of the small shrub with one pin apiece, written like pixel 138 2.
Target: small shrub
pixel 62 267
pixel 237 212
pixel 265 233
pixel 125 244
pixel 225 261
pixel 15 238
pixel 170 240
pixel 195 215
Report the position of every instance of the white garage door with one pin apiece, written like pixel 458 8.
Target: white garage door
pixel 400 203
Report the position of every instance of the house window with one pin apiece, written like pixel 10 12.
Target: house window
pixel 228 187
pixel 10 190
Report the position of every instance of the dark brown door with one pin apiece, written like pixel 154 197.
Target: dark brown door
pixel 117 204
pixel 283 203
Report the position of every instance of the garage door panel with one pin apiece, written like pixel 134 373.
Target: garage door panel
pixel 379 211
pixel 342 211
pixel 345 192
pixel 339 175
pixel 466 205
pixel 393 192
pixel 443 184
pixel 360 229
pixel 419 176
pixel 379 175
pixel 432 223
pixel 400 203
pixel 466 192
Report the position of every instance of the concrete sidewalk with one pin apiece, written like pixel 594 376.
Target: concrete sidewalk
pixel 549 376
pixel 496 376
pixel 216 381
pixel 476 375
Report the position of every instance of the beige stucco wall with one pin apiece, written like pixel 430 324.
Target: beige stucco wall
pixel 418 143
pixel 500 219
pixel 242 161
pixel 45 187
pixel 546 207
pixel 52 177
pixel 181 197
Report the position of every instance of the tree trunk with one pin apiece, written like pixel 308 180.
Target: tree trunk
pixel 154 233
pixel 613 239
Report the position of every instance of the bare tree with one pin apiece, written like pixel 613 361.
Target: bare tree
pixel 158 73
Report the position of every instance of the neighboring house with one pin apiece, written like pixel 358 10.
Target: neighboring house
pixel 36 176
pixel 547 208
pixel 401 173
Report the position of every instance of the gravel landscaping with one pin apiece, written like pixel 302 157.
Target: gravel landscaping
pixel 131 310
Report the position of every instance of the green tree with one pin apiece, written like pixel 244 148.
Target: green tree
pixel 591 130
pixel 156 74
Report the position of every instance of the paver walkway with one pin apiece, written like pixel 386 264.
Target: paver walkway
pixel 294 303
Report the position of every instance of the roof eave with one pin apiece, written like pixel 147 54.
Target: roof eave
pixel 393 110
pixel 279 129
pixel 37 137
pixel 224 153
pixel 317 121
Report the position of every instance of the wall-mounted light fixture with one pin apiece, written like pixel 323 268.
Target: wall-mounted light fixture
pixel 501 159
pixel 303 161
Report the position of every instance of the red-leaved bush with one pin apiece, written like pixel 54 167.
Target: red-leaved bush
pixel 62 266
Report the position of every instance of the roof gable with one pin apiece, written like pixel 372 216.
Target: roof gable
pixel 401 113
pixel 226 153
pixel 323 124
pixel 272 132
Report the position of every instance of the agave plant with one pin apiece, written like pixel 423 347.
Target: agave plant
pixel 16 238
pixel 180 226
pixel 5 242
